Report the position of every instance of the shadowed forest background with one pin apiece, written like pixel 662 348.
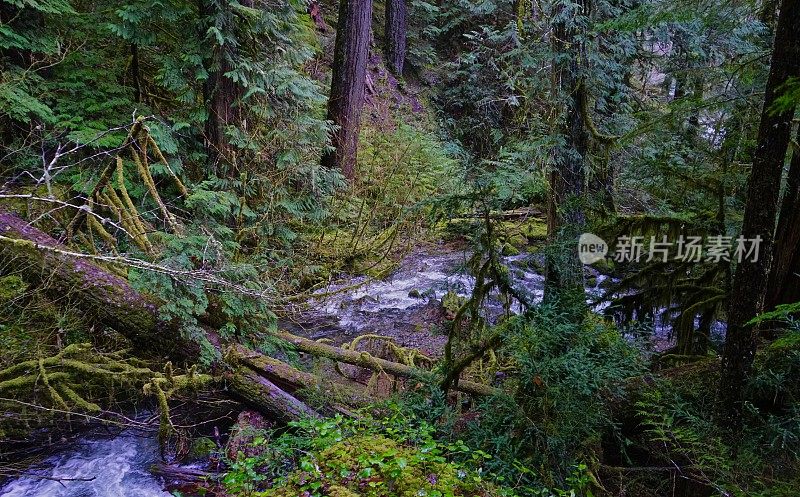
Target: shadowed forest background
pixel 319 248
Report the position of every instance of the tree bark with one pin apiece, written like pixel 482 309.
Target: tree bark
pixel 292 380
pixel 395 35
pixel 784 277
pixel 348 82
pixel 135 73
pixel 315 12
pixel 263 395
pixel 566 217
pixel 103 297
pixel 220 93
pixel 222 110
pixel 750 279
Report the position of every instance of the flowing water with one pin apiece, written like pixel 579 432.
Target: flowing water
pixel 406 306
pixel 95 467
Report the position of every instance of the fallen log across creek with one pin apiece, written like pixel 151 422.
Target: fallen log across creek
pixel 108 300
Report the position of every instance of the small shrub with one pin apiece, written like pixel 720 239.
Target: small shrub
pixel 569 375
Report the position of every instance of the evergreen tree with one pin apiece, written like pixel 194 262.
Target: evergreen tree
pixel 348 83
pixel 566 218
pixel 750 280
pixel 395 35
pixel 783 286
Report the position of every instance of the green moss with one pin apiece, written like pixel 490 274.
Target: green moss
pixel 453 229
pixel 30 322
pixel 604 266
pixel 11 287
pixel 534 229
pixel 376 267
pixel 375 466
pixel 337 491
pixel 202 448
pixel 451 302
pixel 509 249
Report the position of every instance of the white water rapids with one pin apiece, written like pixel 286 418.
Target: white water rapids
pixel 95 467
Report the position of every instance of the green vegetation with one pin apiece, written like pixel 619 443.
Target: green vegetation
pixel 182 182
pixel 384 453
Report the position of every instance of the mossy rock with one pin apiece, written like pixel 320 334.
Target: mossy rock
pixel 536 265
pixel 415 294
pixel 509 249
pixel 534 229
pixel 512 233
pixel 452 302
pixel 430 293
pixel 517 241
pixel 455 228
pixel 375 466
pixel 604 266
pixel 202 448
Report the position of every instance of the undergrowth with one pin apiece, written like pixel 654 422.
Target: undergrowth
pixel 387 206
pixel 384 452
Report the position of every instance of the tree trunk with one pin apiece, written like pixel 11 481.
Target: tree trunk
pixel 784 277
pixel 292 380
pixel 222 111
pixel 346 99
pixel 137 81
pixel 566 217
pixel 104 297
pixel 220 93
pixel 315 12
pixel 263 395
pixel 395 35
pixel 750 279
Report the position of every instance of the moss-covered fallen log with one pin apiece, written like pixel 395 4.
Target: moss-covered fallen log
pixel 301 383
pixel 109 301
pixel 104 297
pixel 369 361
pixel 265 396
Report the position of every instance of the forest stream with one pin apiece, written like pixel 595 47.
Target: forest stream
pixel 405 306
pixel 345 248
